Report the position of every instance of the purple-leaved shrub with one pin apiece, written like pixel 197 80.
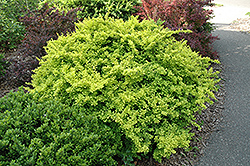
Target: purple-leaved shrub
pixel 41 26
pixel 184 14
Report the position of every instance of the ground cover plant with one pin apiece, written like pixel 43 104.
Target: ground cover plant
pixel 184 14
pixel 50 133
pixel 132 74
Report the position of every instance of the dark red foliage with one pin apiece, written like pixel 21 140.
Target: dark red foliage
pixel 184 14
pixel 41 26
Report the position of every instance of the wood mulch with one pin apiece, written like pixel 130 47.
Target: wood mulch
pixel 8 83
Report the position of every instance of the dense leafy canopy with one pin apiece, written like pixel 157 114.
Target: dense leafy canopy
pixel 132 73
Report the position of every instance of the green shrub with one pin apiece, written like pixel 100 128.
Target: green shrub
pixel 49 133
pixel 11 30
pixel 17 8
pixel 93 8
pixel 132 73
pixel 248 14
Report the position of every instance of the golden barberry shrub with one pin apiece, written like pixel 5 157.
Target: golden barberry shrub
pixel 131 73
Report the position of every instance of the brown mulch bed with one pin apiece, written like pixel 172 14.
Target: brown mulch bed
pixel 8 83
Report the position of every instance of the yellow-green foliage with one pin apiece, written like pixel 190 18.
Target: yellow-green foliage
pixel 93 8
pixel 132 73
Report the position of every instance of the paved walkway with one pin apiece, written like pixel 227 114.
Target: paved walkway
pixel 230 146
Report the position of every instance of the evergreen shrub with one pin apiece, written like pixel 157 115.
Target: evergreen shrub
pixel 11 30
pixel 93 8
pixel 184 14
pixel 17 8
pixel 131 73
pixel 50 133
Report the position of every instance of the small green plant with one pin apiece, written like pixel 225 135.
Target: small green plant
pixel 50 133
pixel 127 158
pixel 218 5
pixel 248 14
pixel 132 74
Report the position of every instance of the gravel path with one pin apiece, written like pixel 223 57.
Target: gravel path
pixel 241 24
